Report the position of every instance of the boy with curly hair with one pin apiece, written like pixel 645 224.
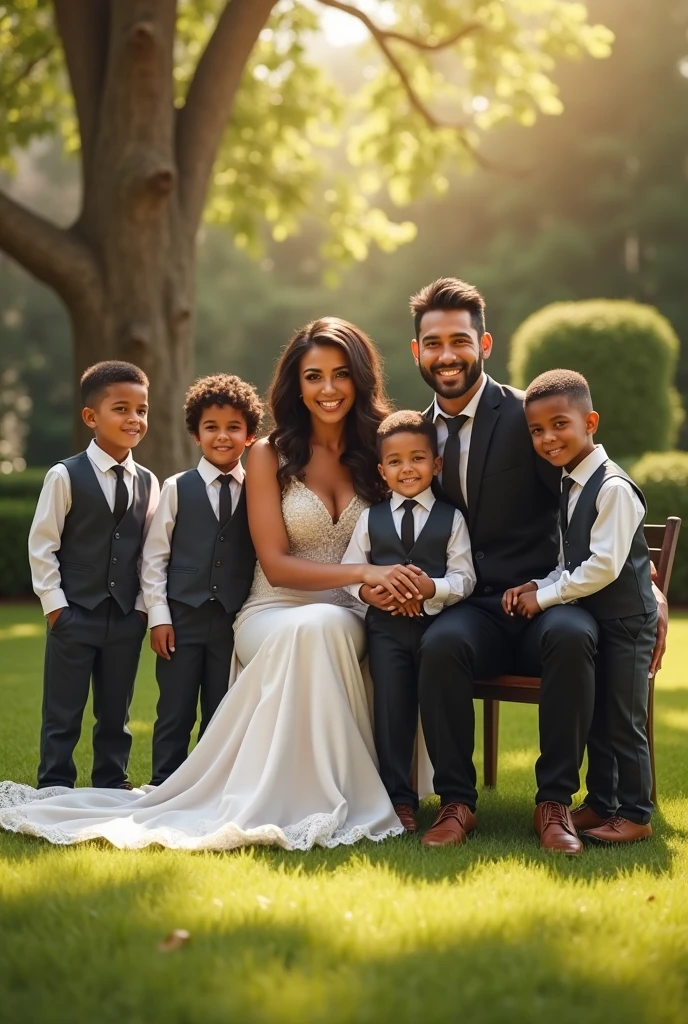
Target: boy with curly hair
pixel 198 564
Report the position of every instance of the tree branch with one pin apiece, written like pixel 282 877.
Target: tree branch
pixel 54 255
pixel 28 68
pixel 83 28
pixel 382 38
pixel 203 118
pixel 402 37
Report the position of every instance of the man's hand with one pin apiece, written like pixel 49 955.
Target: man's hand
pixel 662 627
pixel 528 605
pixel 52 617
pixel 426 586
pixel 378 597
pixel 511 596
pixel 162 641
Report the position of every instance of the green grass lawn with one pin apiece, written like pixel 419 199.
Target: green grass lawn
pixel 491 933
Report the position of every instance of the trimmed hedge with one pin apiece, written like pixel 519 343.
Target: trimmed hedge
pixel 15 521
pixel 22 485
pixel 663 479
pixel 627 351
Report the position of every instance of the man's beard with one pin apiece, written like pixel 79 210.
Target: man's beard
pixel 453 388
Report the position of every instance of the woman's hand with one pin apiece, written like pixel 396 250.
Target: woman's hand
pixel 399 580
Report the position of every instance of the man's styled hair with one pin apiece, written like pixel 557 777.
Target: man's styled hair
pixel 407 421
pixel 222 389
pixel 567 383
pixel 99 377
pixel 449 293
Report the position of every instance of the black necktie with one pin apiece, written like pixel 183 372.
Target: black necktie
pixel 225 499
pixel 408 533
pixel 566 485
pixel 121 494
pixel 451 474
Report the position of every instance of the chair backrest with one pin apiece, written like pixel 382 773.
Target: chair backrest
pixel 662 541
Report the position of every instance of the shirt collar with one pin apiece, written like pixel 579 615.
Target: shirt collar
pixel 426 498
pixel 470 409
pixel 590 464
pixel 105 462
pixel 208 472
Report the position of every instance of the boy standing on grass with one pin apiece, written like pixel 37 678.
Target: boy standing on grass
pixel 84 549
pixel 411 527
pixel 198 565
pixel 604 566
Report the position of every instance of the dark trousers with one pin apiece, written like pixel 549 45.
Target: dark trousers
pixel 477 640
pixel 393 657
pixel 102 645
pixel 204 642
pixel 619 779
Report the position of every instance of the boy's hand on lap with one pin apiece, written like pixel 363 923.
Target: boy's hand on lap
pixel 511 597
pixel 528 605
pixel 162 641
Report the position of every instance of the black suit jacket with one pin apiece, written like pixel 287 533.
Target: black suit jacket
pixel 513 495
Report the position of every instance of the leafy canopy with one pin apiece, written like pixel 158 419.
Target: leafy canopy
pixel 432 78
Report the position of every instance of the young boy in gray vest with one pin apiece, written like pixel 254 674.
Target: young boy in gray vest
pixel 84 549
pixel 198 564
pixel 604 566
pixel 415 528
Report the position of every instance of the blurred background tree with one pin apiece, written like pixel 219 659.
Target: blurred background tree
pixel 225 108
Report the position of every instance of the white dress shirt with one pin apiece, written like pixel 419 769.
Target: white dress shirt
pixel 459 580
pixel 619 514
pixel 156 550
pixel 54 502
pixel 438 418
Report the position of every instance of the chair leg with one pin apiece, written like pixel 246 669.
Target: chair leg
pixel 490 740
pixel 651 737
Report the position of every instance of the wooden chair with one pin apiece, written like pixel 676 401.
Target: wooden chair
pixel 662 541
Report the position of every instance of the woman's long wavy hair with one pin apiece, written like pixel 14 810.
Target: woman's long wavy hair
pixel 291 435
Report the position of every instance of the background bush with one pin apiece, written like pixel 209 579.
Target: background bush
pixel 663 479
pixel 15 520
pixel 22 485
pixel 628 353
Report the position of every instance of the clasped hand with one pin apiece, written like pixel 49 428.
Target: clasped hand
pixel 521 601
pixel 412 607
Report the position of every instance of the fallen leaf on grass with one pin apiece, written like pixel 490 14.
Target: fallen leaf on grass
pixel 650 899
pixel 175 940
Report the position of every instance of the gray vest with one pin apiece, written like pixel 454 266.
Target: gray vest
pixel 207 560
pixel 98 557
pixel 631 593
pixel 429 552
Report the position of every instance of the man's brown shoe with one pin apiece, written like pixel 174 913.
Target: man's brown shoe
pixel 618 830
pixel 553 825
pixel 451 827
pixel 407 816
pixel 583 818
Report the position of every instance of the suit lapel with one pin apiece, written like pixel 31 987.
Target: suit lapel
pixel 484 423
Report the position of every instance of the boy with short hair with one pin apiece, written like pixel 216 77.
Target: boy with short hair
pixel 412 527
pixel 84 549
pixel 198 565
pixel 604 565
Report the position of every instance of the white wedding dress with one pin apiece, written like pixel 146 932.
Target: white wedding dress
pixel 288 759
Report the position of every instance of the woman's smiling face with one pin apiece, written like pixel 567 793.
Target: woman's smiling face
pixel 326 384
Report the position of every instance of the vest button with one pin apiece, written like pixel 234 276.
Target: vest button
pixel 221 539
pixel 214 587
pixel 566 543
pixel 114 561
pixel 218 562
pixel 112 583
pixel 480 555
pixel 487 590
pixel 116 536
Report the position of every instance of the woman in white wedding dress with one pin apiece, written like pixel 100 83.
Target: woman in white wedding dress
pixel 288 758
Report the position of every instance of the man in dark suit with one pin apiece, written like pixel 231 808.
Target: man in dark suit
pixel 510 499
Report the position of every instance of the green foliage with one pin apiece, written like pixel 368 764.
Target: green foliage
pixel 26 485
pixel 288 137
pixel 15 521
pixel 663 479
pixel 628 354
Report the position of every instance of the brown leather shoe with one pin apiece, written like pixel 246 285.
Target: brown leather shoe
pixel 451 827
pixel 618 830
pixel 407 816
pixel 553 825
pixel 583 817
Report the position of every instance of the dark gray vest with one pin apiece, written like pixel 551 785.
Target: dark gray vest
pixel 631 593
pixel 206 560
pixel 429 552
pixel 98 557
